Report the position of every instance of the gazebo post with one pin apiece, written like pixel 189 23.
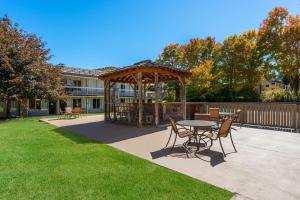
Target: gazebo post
pixel 145 92
pixel 107 99
pixel 140 75
pixel 134 91
pixel 182 96
pixel 156 99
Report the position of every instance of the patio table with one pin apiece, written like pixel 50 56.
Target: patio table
pixel 198 125
pixel 226 114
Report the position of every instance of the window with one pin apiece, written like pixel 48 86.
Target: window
pixel 96 103
pixel 1 106
pixel 267 85
pixel 35 104
pixel 77 83
pixel 38 104
pixel 76 103
pixel 122 86
pixel 122 100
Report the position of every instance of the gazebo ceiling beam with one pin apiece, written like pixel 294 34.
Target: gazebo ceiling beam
pixel 130 79
pixel 145 70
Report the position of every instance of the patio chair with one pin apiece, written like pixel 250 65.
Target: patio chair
pixel 181 132
pixel 223 131
pixel 61 114
pixel 236 118
pixel 68 112
pixel 76 112
pixel 214 114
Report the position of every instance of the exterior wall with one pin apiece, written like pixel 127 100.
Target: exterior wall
pixel 266 85
pixel 14 109
pixel 87 103
pixel 39 112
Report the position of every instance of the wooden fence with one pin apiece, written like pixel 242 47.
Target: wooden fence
pixel 284 115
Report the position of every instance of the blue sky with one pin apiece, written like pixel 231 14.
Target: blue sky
pixel 95 33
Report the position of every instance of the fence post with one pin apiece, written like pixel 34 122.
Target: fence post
pixel 164 111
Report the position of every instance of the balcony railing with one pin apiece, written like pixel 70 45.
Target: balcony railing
pixel 83 91
pixel 126 93
pixel 90 91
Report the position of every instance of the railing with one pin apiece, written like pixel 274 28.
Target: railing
pixel 283 115
pixel 83 91
pixel 125 93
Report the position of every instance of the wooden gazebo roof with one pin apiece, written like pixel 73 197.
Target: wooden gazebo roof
pixel 148 69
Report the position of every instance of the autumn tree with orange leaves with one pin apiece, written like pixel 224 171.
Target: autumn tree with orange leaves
pixel 279 43
pixel 234 68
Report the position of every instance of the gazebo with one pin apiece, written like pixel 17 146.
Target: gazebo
pixel 140 76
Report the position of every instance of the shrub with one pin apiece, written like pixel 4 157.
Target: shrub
pixel 278 95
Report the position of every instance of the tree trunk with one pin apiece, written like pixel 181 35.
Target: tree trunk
pixel 8 107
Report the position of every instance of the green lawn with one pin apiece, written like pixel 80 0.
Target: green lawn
pixel 40 161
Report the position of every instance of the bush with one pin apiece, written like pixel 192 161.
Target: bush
pixel 278 95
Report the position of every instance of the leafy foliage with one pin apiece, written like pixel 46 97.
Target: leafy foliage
pixel 277 95
pixel 24 68
pixel 233 69
pixel 279 37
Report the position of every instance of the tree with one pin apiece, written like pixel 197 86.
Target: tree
pixel 200 84
pixel 24 68
pixel 197 51
pixel 240 66
pixel 172 56
pixel 279 43
pixel 196 54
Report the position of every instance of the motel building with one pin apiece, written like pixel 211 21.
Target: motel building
pixel 83 89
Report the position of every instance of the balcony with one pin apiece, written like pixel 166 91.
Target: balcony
pixel 83 91
pixel 126 93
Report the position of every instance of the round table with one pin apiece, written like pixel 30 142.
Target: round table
pixel 198 125
pixel 224 114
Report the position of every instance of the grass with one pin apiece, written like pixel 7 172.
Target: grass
pixel 40 161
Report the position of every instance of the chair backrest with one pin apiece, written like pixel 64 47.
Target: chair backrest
pixel 68 110
pixel 214 114
pixel 76 110
pixel 173 124
pixel 225 128
pixel 237 114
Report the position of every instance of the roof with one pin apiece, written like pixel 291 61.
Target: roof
pixel 148 68
pixel 72 71
pixel 277 80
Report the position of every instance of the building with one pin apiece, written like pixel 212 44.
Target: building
pixel 83 89
pixel 272 84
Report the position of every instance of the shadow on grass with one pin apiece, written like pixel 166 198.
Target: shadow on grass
pixel 75 137
pixel 104 132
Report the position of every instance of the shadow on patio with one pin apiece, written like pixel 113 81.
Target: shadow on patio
pixel 207 155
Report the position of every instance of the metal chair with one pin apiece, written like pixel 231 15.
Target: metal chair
pixel 223 131
pixel 236 117
pixel 76 112
pixel 61 114
pixel 214 114
pixel 178 133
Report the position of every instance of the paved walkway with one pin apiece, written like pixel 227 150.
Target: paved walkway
pixel 267 165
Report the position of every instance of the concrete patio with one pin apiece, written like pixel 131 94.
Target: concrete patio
pixel 267 165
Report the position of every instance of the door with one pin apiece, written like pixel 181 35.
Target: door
pixel 52 108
